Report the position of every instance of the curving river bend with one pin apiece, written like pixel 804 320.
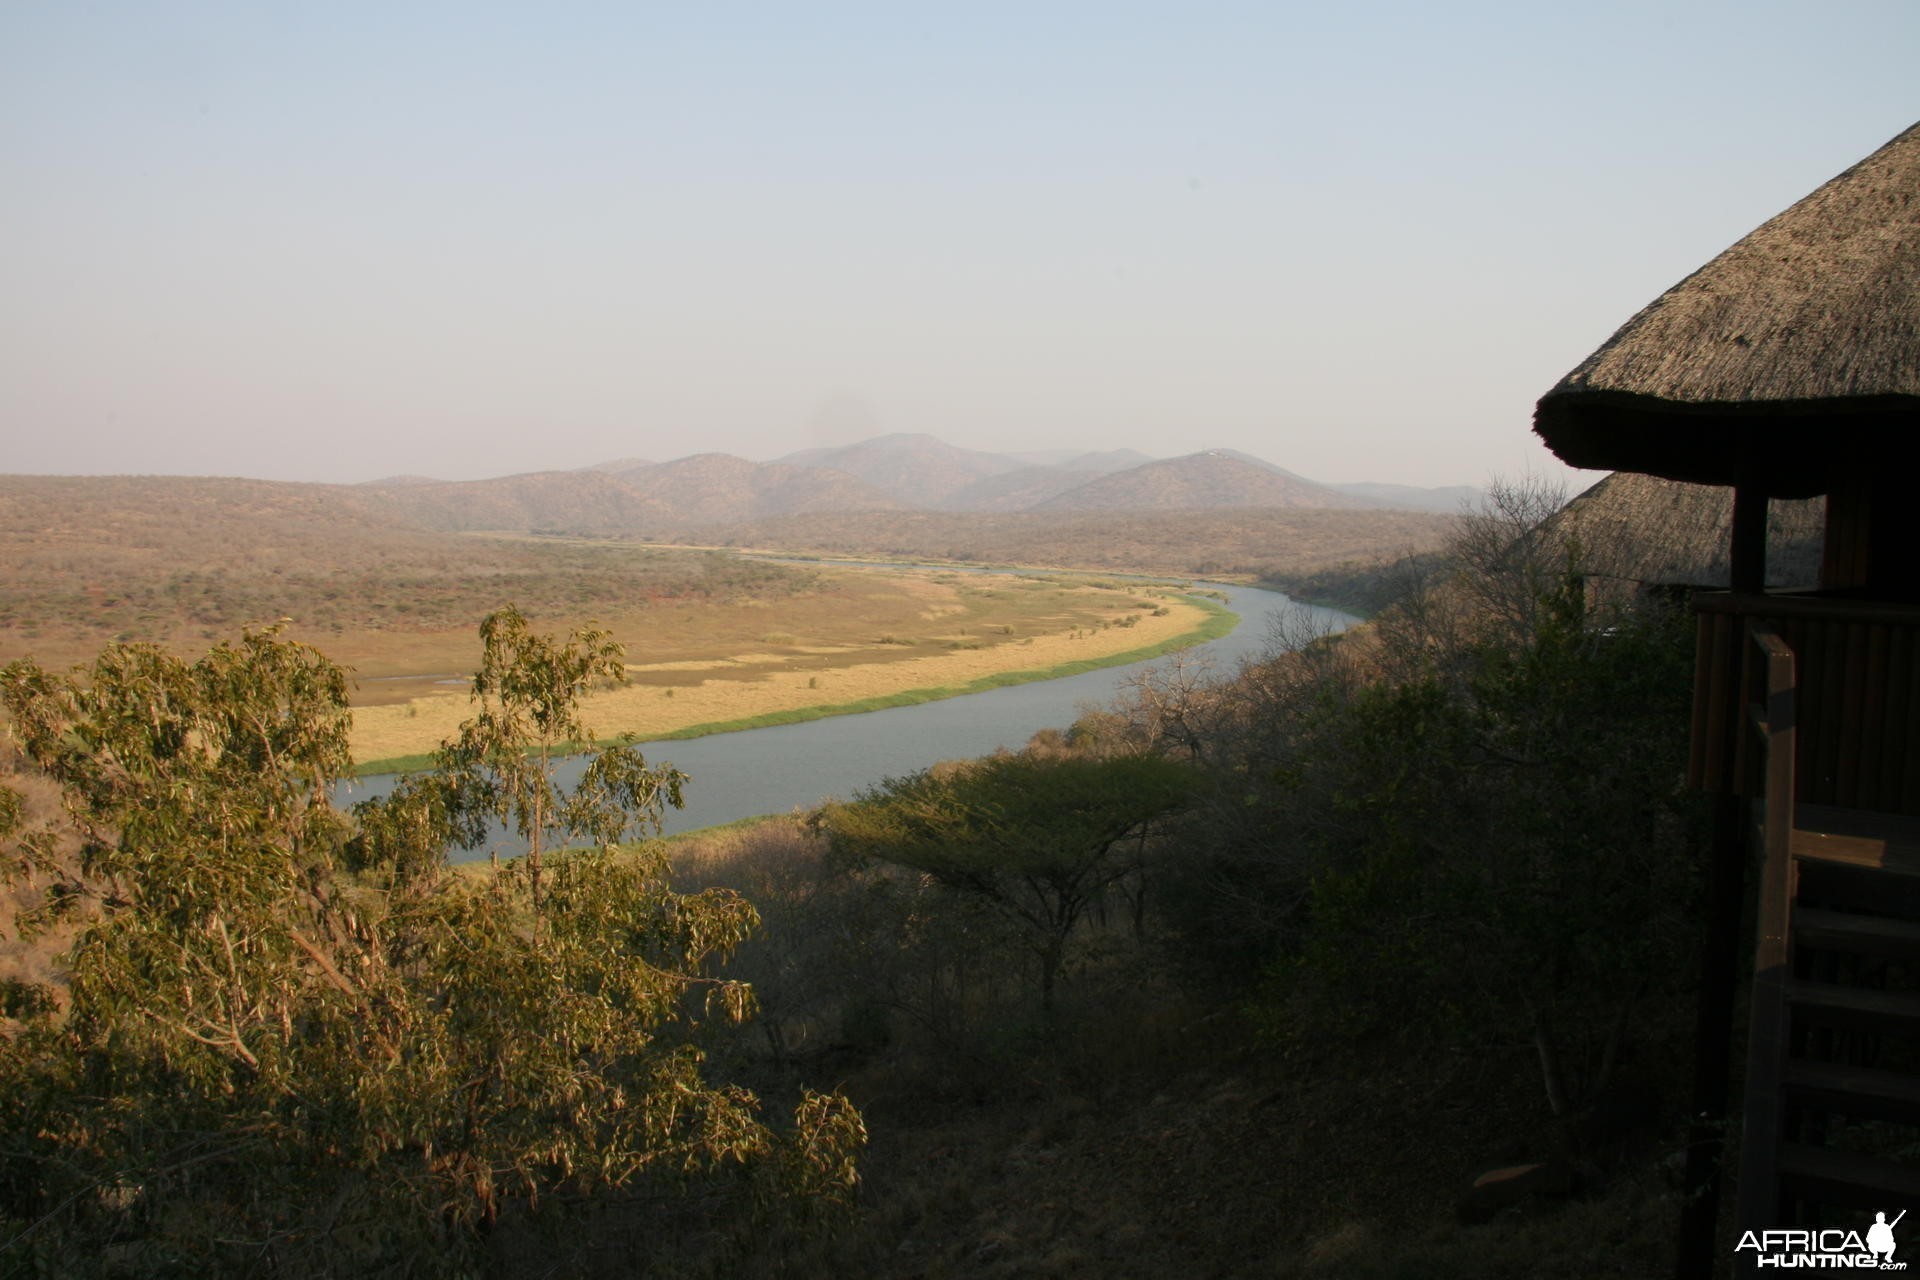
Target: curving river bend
pixel 777 769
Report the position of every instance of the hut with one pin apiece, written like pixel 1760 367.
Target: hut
pixel 1789 367
pixel 1639 534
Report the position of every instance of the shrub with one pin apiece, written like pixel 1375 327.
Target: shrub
pixel 293 1033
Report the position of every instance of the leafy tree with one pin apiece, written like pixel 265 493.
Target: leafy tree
pixel 1465 819
pixel 1505 842
pixel 527 697
pixel 294 1038
pixel 1040 838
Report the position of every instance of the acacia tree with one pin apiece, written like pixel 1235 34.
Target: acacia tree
pixel 1039 838
pixel 292 1037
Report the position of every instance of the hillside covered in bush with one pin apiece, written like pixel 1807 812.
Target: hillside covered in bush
pixel 1252 972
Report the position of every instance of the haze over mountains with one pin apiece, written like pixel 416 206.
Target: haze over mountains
pixel 888 473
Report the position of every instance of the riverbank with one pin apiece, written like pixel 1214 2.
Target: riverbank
pixel 759 690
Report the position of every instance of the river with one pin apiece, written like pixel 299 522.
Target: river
pixel 778 769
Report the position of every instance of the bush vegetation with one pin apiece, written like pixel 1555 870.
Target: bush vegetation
pixel 1248 973
pixel 1360 587
pixel 292 1040
pixel 1409 904
pixel 1245 543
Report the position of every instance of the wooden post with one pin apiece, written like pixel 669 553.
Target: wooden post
pixel 1759 1204
pixel 1726 877
pixel 1748 550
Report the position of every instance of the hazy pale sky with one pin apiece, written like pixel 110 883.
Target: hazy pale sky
pixel 341 241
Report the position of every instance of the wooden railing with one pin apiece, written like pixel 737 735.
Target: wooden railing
pixel 1769 707
pixel 1858 730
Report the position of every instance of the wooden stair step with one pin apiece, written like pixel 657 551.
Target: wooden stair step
pixel 1883 841
pixel 1851 887
pixel 1836 1005
pixel 1862 1092
pixel 1847 1178
pixel 1863 935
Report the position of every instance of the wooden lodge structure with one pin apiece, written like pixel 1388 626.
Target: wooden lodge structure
pixel 1789 367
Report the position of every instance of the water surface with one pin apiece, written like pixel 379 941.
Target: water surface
pixel 789 766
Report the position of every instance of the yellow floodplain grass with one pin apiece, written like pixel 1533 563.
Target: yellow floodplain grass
pixel 756 683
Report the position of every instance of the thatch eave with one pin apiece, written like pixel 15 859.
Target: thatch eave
pixel 1784 448
pixel 1790 358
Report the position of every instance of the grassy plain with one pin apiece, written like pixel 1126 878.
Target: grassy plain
pixel 716 639
pixel 187 561
pixel 861 638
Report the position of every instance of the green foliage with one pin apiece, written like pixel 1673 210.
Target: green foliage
pixel 1039 838
pixel 293 1039
pixel 527 696
pixel 1504 844
pixel 1362 587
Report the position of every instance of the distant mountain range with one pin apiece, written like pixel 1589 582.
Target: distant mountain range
pixel 887 473
pixel 1201 481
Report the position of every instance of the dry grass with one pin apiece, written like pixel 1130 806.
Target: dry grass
pixel 185 562
pixel 713 637
pixel 871 633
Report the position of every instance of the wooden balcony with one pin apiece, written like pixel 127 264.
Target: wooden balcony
pixel 1832 1098
pixel 1857 703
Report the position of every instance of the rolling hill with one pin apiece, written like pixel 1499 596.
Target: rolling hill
pixel 540 501
pixel 918 470
pixel 1211 479
pixel 1446 499
pixel 902 472
pixel 709 488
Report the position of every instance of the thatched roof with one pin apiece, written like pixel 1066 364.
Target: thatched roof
pixel 1639 531
pixel 1795 352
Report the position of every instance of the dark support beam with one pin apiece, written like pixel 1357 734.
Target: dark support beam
pixel 1713 1038
pixel 1848 540
pixel 1748 553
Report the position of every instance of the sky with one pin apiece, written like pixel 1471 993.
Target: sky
pixel 335 242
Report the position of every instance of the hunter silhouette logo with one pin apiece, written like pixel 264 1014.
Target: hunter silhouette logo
pixel 1800 1247
pixel 1880 1236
